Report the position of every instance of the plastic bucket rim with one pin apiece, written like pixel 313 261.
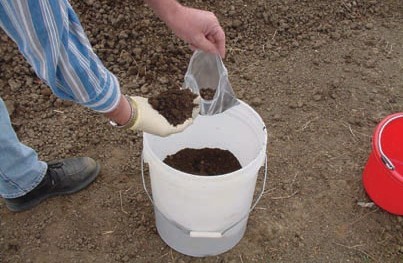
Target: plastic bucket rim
pixel 261 153
pixel 377 146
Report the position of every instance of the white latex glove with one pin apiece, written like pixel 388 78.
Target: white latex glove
pixel 151 121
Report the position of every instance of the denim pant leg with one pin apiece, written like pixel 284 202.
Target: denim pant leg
pixel 20 169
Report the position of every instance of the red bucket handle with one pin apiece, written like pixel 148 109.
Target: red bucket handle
pixel 385 159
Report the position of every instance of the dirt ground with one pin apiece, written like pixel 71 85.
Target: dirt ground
pixel 321 74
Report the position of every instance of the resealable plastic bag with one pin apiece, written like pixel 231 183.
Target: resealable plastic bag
pixel 207 71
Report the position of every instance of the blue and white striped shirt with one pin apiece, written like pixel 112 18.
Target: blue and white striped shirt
pixel 51 38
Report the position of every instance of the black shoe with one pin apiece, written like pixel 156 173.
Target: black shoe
pixel 62 177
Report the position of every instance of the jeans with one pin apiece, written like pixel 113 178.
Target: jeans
pixel 20 169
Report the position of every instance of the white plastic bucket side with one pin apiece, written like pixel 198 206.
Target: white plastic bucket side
pixel 207 203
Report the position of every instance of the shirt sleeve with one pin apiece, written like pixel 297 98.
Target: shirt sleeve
pixel 51 38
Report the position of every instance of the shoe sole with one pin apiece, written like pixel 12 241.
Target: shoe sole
pixel 37 201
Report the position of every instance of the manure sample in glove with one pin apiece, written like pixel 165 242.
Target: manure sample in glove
pixel 205 161
pixel 176 105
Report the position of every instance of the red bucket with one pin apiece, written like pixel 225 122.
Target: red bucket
pixel 383 173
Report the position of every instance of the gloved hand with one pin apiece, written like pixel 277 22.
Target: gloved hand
pixel 149 120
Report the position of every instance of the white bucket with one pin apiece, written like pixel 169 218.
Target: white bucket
pixel 207 215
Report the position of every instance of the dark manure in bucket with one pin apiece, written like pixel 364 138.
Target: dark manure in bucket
pixel 206 161
pixel 176 105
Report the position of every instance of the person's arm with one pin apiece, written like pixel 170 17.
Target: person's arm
pixel 122 113
pixel 50 36
pixel 164 8
pixel 200 29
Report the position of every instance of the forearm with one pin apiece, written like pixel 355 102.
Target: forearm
pixel 122 113
pixel 165 9
pixel 55 44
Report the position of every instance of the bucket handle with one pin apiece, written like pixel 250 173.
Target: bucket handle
pixel 384 158
pixel 202 234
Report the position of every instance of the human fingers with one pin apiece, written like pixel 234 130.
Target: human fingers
pixel 217 37
pixel 204 44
